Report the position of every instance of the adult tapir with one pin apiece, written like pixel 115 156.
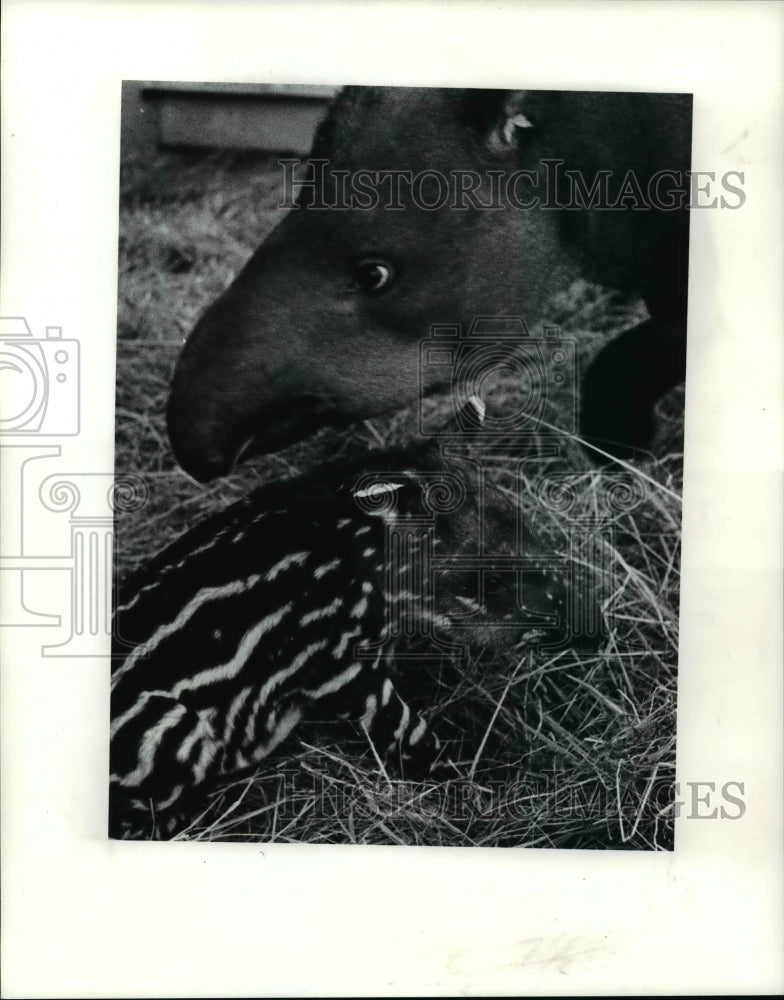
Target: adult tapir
pixel 323 324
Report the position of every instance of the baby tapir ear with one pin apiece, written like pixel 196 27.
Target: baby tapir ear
pixel 500 117
pixel 468 421
pixel 458 433
pixel 461 428
pixel 473 413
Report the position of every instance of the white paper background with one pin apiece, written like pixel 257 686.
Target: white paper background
pixel 84 917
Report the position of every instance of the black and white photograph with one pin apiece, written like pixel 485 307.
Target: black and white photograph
pixel 404 414
pixel 391 542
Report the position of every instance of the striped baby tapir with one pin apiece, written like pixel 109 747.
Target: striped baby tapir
pixel 301 601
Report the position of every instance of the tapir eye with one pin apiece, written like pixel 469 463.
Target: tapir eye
pixel 373 276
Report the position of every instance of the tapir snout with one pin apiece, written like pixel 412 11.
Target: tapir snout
pixel 323 324
pixel 291 346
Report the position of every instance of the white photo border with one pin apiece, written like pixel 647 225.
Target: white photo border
pixel 86 917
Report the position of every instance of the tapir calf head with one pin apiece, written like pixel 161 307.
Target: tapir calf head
pixel 323 324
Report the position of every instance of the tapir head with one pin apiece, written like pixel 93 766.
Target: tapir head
pixel 324 323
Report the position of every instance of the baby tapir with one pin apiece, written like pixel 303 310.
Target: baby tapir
pixel 436 206
pixel 296 601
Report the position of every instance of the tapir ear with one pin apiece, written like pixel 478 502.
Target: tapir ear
pixel 469 419
pixel 460 428
pixel 500 117
pixel 459 433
